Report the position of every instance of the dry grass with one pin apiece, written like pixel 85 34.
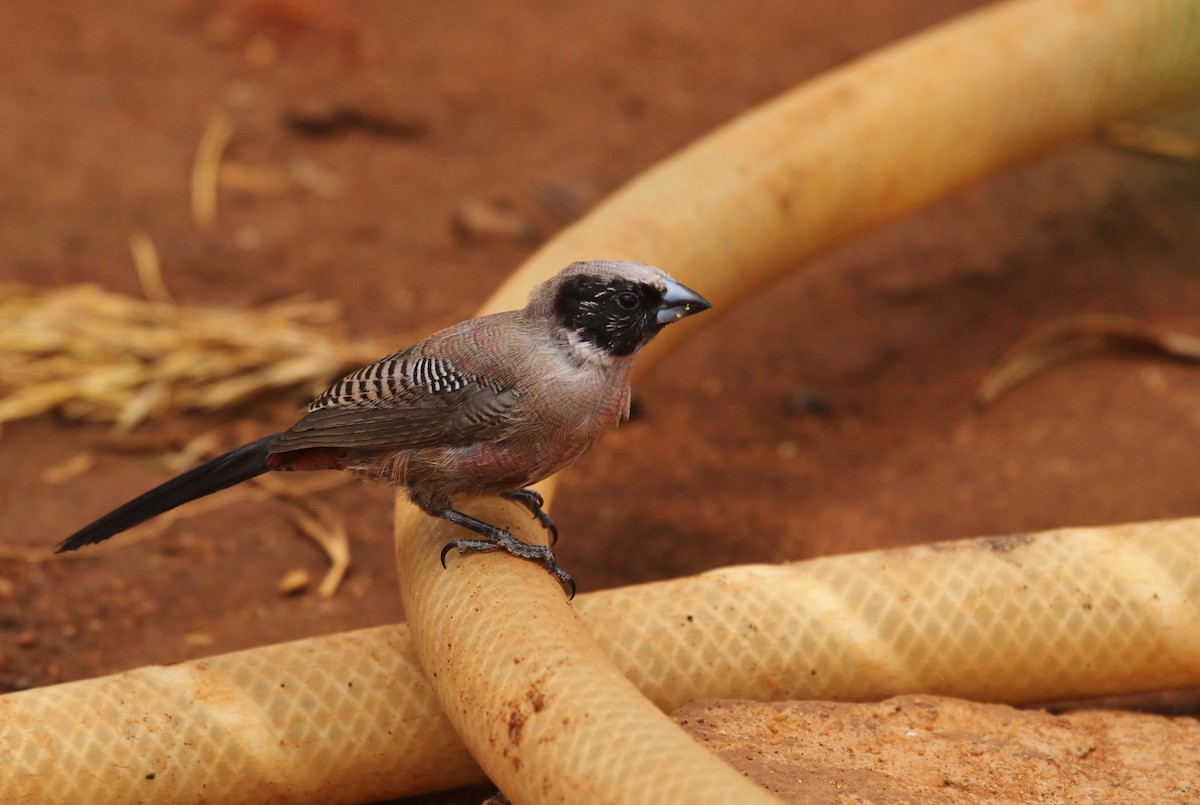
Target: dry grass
pixel 1078 337
pixel 89 354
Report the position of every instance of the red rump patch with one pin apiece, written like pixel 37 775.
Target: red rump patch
pixel 318 459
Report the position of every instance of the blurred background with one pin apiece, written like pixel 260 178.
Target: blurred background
pixel 399 159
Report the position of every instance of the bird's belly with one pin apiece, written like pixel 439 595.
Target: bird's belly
pixel 484 468
pixel 519 460
pixel 529 463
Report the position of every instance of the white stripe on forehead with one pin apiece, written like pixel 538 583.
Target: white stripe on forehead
pixel 634 272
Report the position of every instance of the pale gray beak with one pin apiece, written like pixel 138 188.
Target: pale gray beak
pixel 680 301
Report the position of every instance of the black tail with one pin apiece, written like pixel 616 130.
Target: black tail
pixel 242 464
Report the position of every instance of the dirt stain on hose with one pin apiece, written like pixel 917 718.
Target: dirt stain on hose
pixel 1007 544
pixel 516 723
pixel 1000 545
pixel 521 709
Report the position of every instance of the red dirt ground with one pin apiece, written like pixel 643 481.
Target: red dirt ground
pixel 409 111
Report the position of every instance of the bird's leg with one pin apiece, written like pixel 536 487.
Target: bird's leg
pixel 494 538
pixel 533 500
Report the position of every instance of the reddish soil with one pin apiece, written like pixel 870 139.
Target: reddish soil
pixel 406 112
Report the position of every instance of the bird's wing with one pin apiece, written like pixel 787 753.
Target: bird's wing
pixel 408 400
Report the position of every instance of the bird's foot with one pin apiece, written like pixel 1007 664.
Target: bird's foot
pixel 494 538
pixel 534 501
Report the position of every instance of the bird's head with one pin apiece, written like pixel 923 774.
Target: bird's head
pixel 611 307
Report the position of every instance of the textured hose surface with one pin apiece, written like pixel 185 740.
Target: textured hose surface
pixel 326 720
pixel 538 704
pixel 845 152
pixel 350 717
pixel 1018 619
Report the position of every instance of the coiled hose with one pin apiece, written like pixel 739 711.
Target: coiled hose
pixel 547 714
pixel 352 717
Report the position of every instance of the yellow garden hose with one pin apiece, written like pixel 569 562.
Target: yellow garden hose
pixel 351 717
pixel 545 711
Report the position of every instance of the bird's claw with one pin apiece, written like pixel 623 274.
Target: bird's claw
pixel 533 500
pixel 514 547
pixel 534 497
pixel 549 525
pixel 449 546
pixel 564 578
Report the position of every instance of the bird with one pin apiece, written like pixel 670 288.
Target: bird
pixel 488 406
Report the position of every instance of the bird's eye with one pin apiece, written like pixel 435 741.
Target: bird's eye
pixel 628 300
